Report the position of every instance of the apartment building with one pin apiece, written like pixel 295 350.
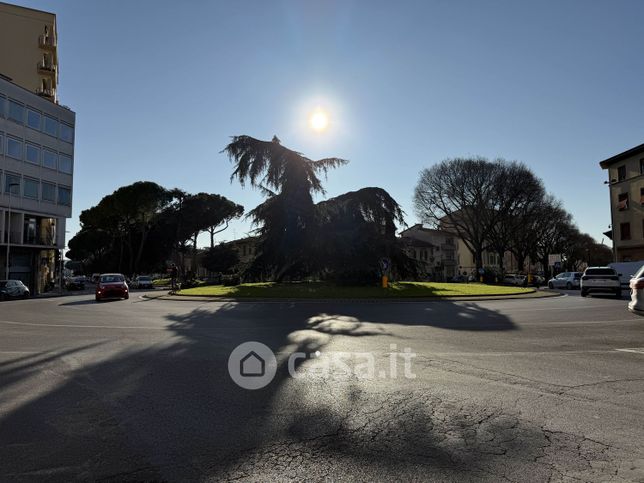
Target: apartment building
pixel 626 192
pixel 29 54
pixel 436 251
pixel 36 150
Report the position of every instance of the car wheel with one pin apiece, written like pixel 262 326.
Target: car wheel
pixel 126 297
pixel 550 285
pixel 568 286
pixel 618 294
pixel 584 293
pixel 98 299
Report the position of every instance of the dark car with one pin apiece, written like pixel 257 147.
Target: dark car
pixel 75 283
pixel 13 289
pixel 112 286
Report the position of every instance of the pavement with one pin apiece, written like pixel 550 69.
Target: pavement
pixel 543 389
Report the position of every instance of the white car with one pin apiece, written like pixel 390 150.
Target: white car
pixel 601 280
pixel 567 280
pixel 636 304
pixel 517 280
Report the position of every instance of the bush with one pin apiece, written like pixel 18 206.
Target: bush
pixel 230 280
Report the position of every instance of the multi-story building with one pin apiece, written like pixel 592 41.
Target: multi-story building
pixel 29 55
pixel 36 149
pixel 626 191
pixel 436 251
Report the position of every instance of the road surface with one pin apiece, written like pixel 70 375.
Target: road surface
pixel 506 390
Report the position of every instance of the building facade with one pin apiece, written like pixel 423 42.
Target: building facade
pixel 29 54
pixel 36 179
pixel 436 251
pixel 626 192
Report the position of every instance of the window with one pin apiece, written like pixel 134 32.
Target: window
pixel 16 112
pixel 642 166
pixel 625 231
pixel 31 188
pixel 64 196
pixel 1 151
pixel 622 201
pixel 14 148
pixel 642 196
pixel 48 192
pixel 621 173
pixel 65 164
pixel 66 133
pixel 32 153
pixel 1 106
pixel 49 159
pixel 51 126
pixel 33 119
pixel 12 182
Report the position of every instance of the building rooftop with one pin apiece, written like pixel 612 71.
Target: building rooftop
pixel 621 156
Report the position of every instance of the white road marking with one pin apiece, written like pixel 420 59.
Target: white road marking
pixel 636 350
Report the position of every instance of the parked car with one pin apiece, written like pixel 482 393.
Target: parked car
pixel 567 280
pixel 513 279
pixel 600 280
pixel 75 283
pixel 143 281
pixel 636 305
pixel 13 289
pixel 111 286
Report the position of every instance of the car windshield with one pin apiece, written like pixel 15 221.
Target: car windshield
pixel 144 279
pixel 600 271
pixel 111 278
pixel 577 276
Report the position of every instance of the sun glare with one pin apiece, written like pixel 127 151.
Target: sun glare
pixel 319 120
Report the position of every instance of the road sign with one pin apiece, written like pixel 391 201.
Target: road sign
pixel 385 265
pixel 554 258
pixel 557 265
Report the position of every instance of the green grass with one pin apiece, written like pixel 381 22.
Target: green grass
pixel 161 282
pixel 317 290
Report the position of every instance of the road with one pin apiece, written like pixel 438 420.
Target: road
pixel 504 390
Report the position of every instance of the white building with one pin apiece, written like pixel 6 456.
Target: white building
pixel 36 179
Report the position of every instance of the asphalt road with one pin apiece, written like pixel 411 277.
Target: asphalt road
pixel 515 390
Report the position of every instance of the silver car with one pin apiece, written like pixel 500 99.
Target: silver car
pixel 567 280
pixel 13 289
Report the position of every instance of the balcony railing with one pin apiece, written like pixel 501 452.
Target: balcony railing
pixel 44 239
pixel 46 42
pixel 46 68
pixel 15 238
pixel 48 93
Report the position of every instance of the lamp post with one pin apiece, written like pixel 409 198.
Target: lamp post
pixel 6 273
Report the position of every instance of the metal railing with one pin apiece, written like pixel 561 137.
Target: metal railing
pixel 46 41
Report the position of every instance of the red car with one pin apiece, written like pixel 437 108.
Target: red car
pixel 111 286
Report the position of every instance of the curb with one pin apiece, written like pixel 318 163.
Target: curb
pixel 535 294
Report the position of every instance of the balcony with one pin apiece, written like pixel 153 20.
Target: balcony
pixel 40 239
pixel 46 93
pixel 15 237
pixel 46 68
pixel 46 42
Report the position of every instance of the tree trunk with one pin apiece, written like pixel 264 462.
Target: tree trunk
pixel 501 254
pixel 139 253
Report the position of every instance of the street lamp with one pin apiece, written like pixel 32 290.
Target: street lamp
pixel 6 273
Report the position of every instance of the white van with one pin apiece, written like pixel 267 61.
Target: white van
pixel 626 271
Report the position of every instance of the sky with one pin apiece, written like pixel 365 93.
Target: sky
pixel 159 87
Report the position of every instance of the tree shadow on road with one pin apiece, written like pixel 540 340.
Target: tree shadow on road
pixel 171 410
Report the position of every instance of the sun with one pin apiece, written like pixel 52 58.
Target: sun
pixel 319 120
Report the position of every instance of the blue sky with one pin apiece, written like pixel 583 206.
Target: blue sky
pixel 158 88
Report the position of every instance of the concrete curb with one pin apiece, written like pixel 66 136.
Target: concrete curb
pixel 535 294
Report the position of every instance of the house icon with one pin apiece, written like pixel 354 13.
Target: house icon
pixel 252 365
